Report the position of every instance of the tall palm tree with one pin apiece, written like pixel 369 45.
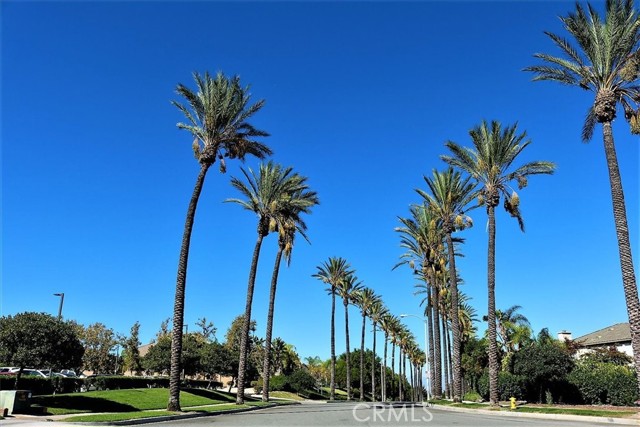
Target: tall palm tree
pixel 388 323
pixel 422 238
pixel 364 299
pixel 217 114
pixel 376 312
pixel 333 272
pixel 268 194
pixel 448 197
pixel 607 62
pixel 490 163
pixel 288 221
pixel 347 290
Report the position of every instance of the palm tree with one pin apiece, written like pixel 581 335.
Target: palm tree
pixel 422 237
pixel 449 197
pixel 364 298
pixel 490 163
pixel 288 222
pixel 268 194
pixel 376 313
pixel 333 272
pixel 347 289
pixel 217 115
pixel 608 64
pixel 388 324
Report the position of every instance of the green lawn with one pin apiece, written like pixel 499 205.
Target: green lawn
pixel 133 400
pixel 613 413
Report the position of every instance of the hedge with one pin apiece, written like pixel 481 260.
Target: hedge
pixel 602 383
pixel 44 386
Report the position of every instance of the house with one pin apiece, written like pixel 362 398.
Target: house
pixel 618 336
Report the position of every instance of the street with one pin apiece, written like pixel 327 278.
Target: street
pixel 351 415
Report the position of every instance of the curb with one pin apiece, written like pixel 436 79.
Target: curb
pixel 182 416
pixel 564 417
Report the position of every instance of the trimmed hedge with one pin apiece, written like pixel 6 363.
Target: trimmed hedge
pixel 39 385
pixel 44 386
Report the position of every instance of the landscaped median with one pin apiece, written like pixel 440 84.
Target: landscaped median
pixel 137 404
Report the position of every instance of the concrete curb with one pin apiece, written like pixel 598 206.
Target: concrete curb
pixel 564 417
pixel 182 416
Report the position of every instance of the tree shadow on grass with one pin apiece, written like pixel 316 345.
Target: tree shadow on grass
pixel 215 394
pixel 82 404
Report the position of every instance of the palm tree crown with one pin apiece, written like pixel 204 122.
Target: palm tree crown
pixel 490 162
pixel 217 117
pixel 607 63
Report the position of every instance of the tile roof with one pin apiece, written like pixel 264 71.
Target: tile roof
pixel 614 334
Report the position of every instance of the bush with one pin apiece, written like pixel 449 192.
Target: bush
pixel 42 386
pixel 276 383
pixel 509 385
pixel 471 396
pixel 301 380
pixel 604 383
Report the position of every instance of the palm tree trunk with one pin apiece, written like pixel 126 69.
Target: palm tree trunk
pixel 491 314
pixel 445 356
pixel 430 369
pixel 393 369
pixel 178 304
pixel 624 247
pixel 455 321
pixel 373 365
pixel 244 342
pixel 332 395
pixel 266 366
pixel 346 331
pixel 362 359
pixel 437 365
pixel 401 374
pixel 383 379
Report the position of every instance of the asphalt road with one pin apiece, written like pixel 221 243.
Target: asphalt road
pixel 362 415
pixel 354 415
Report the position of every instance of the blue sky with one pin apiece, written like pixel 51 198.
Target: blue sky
pixel 360 98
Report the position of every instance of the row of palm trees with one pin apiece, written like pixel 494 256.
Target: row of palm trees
pixel 342 282
pixel 606 62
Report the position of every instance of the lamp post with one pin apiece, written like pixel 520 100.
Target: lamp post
pixel 426 354
pixel 61 295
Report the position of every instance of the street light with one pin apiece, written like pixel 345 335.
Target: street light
pixel 426 355
pixel 61 295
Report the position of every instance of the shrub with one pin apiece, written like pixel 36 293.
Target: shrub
pixel 604 383
pixel 471 396
pixel 301 380
pixel 509 385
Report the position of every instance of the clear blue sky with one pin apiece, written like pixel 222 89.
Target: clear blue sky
pixel 361 97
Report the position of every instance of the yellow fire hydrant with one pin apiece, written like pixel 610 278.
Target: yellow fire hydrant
pixel 513 402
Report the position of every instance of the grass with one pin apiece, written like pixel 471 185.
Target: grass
pixel 133 400
pixel 578 411
pixel 151 414
pixel 285 395
pixel 612 413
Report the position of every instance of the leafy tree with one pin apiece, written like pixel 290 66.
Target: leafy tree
pixel 98 341
pixel 608 355
pixel 545 364
pixel 158 358
pixel 217 114
pixel 207 330
pixel 131 354
pixel 38 340
pixel 217 359
pixel 607 63
pixel 491 164
pixel 233 339
pixel 301 380
pixel 333 272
